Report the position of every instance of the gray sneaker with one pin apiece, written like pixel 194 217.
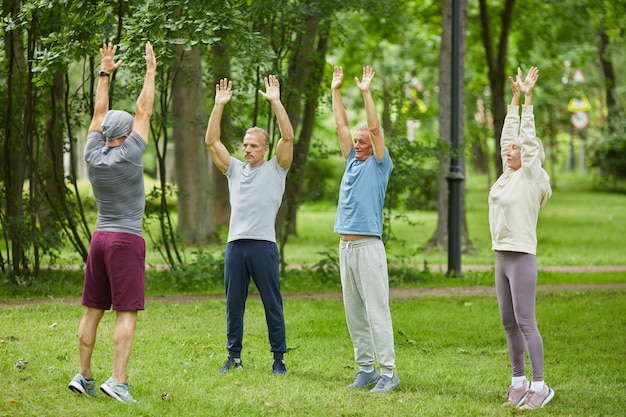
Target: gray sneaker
pixel 118 391
pixel 386 384
pixel 364 379
pixel 82 386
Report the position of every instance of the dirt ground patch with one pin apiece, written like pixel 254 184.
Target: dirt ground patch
pixel 405 292
pixel 393 292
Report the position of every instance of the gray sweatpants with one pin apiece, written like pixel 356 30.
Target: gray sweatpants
pixel 516 287
pixel 365 283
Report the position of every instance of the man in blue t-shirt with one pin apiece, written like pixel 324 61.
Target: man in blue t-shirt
pixel 362 257
pixel 256 190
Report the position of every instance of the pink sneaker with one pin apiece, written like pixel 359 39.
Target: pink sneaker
pixel 538 399
pixel 516 396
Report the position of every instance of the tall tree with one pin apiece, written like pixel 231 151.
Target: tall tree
pixel 305 73
pixel 195 191
pixel 15 134
pixel 496 57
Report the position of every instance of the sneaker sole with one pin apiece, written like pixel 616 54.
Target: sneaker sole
pixel 369 384
pixel 236 368
pixel 519 403
pixel 386 389
pixel 77 387
pixel 548 398
pixel 108 391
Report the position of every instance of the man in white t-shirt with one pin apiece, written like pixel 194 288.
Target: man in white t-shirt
pixel 256 189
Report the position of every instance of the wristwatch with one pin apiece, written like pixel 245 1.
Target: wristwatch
pixel 103 74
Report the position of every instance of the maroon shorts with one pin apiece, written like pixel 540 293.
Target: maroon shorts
pixel 115 272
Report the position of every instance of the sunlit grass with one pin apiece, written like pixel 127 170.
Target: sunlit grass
pixel 451 358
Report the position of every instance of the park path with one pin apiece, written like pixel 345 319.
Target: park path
pixel 393 292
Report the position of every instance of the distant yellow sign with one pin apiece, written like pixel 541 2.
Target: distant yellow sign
pixel 580 103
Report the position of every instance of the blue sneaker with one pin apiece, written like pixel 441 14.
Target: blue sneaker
pixel 232 363
pixel 279 368
pixel 386 384
pixel 364 379
pixel 82 386
pixel 120 392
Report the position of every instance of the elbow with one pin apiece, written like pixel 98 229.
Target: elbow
pixel 289 137
pixel 375 131
pixel 142 110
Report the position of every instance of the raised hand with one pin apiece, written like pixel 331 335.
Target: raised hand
pixel 515 84
pixel 107 58
pixel 531 79
pixel 150 57
pixel 223 91
pixel 337 77
pixel 366 80
pixel 272 89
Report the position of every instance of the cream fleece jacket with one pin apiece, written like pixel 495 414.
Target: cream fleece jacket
pixel 517 196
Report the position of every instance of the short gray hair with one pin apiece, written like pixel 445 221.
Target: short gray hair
pixel 266 135
pixel 364 126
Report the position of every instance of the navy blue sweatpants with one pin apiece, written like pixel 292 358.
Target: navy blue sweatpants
pixel 259 260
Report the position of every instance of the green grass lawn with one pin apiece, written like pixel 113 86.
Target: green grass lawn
pixel 451 358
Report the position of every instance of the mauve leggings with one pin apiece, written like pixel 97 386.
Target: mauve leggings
pixel 516 286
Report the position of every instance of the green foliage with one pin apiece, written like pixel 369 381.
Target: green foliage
pixel 400 39
pixel 204 273
pixel 414 182
pixel 51 282
pixel 610 154
pixel 322 174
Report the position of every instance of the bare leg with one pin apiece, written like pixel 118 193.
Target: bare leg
pixel 123 338
pixel 87 338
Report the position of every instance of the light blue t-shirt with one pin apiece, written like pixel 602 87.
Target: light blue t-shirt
pixel 116 176
pixel 362 196
pixel 255 197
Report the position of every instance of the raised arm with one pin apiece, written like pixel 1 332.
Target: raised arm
pixel 515 87
pixel 532 148
pixel 373 124
pixel 510 129
pixel 145 101
pixel 284 149
pixel 339 113
pixel 219 153
pixel 107 67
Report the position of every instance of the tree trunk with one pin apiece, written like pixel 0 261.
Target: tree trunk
pixel 195 194
pixel 612 104
pixel 306 72
pixel 52 166
pixel 440 236
pixel 496 66
pixel 14 137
